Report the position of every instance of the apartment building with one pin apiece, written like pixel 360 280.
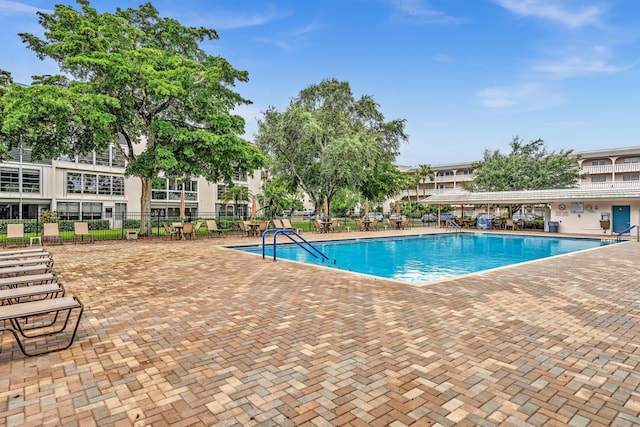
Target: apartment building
pixel 609 168
pixel 95 187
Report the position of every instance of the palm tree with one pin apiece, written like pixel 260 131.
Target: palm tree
pixel 423 172
pixel 235 193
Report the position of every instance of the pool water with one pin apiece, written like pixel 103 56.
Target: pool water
pixel 424 258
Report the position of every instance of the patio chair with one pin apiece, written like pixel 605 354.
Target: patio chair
pixel 81 233
pixel 212 226
pixel 359 224
pixel 196 228
pixel 374 224
pixel 262 227
pixel 405 223
pixel 15 235
pixel 47 317
pixel 335 226
pixel 170 232
pixel 510 225
pixel 51 233
pixel 245 230
pixel 187 230
pixel 317 226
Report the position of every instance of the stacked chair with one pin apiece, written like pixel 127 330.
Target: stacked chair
pixel 33 304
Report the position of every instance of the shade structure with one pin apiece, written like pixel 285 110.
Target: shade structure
pixel 254 207
pixel 182 207
pixel 366 207
pixel 326 207
pixel 398 208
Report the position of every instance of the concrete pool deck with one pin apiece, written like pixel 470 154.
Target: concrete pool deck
pixel 192 333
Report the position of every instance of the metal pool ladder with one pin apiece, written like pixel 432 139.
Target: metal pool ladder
pixel 302 242
pixel 452 224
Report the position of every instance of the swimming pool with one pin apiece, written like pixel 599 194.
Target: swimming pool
pixel 424 258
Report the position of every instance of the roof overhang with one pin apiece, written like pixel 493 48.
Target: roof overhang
pixel 532 196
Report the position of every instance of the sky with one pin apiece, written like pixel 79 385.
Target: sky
pixel 466 75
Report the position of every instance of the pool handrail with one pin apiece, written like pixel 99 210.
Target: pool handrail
pixel 288 232
pixel 626 230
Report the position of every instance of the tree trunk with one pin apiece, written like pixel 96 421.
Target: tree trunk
pixel 145 207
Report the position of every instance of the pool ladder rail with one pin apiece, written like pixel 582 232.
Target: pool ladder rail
pixel 290 234
pixel 453 225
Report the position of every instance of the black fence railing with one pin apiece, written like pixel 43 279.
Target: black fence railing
pixel 122 227
pixel 119 227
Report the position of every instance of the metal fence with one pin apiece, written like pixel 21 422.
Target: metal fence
pixel 132 225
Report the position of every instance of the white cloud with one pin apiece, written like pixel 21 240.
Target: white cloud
pixel 13 7
pixel 553 10
pixel 234 19
pixel 420 11
pixel 595 60
pixel 523 97
pixel 576 66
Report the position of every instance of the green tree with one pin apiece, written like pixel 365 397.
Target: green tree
pixel 137 78
pixel 327 140
pixel 422 173
pixel 236 194
pixel 528 167
pixel 276 198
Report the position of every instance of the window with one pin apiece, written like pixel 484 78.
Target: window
pixel 221 189
pixel 89 183
pixel 598 178
pixel 631 177
pixel 69 210
pixel 103 158
pixel 116 158
pixel 104 185
pixel 631 160
pixel 9 180
pixel 118 186
pixel 239 176
pixel 30 181
pixel 91 210
pixel 447 173
pixel 598 162
pixel 86 159
pixel 74 183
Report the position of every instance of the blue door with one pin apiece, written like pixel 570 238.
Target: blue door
pixel 621 218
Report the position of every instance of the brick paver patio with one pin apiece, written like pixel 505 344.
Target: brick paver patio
pixel 192 333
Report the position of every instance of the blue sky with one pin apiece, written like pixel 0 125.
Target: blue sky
pixel 467 75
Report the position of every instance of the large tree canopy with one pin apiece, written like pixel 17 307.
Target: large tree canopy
pixel 327 140
pixel 136 76
pixel 528 167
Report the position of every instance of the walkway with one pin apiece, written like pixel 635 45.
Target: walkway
pixel 191 333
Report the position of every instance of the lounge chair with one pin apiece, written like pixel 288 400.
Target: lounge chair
pixel 277 223
pixel 24 255
pixel 170 232
pixel 28 280
pixel 15 235
pixel 14 319
pixel 81 232
pixel 286 223
pixel 31 293
pixel 212 226
pixel 51 233
pixel 46 266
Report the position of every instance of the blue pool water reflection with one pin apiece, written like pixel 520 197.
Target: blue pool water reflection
pixel 424 258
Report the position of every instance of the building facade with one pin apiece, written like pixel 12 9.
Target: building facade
pixel 95 187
